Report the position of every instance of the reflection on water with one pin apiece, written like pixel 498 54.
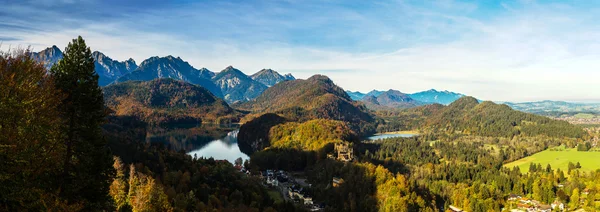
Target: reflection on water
pixel 224 148
pixel 384 136
pixel 218 142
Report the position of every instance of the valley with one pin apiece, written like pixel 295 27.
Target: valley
pixel 196 140
pixel 298 106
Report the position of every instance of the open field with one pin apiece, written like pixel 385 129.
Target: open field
pixel 585 116
pixel 560 159
pixel 275 196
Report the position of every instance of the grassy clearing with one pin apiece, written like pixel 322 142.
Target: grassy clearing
pixel 275 196
pixel 560 159
pixel 585 116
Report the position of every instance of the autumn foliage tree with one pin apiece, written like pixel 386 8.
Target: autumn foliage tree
pixel 30 138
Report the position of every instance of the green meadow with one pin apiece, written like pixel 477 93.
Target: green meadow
pixel 585 116
pixel 559 159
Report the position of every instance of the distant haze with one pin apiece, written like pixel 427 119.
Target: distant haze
pixel 497 50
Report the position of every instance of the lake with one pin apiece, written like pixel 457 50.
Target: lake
pixel 390 135
pixel 218 142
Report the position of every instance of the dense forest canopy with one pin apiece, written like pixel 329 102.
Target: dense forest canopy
pixel 310 135
pixel 466 115
pixel 470 117
pixel 162 101
pixel 314 98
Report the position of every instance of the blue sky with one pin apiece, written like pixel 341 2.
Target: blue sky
pixel 498 50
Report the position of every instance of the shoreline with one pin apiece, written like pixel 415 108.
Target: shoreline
pixel 414 132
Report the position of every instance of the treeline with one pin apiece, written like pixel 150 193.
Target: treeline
pixel 468 173
pixel 52 152
pixel 405 119
pixel 467 116
pixel 310 135
pixel 57 146
pixel 365 187
pixel 314 98
pixel 168 101
pixel 185 183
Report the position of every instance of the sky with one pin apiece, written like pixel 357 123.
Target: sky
pixel 523 50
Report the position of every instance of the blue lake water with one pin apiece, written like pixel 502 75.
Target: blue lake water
pixel 384 136
pixel 223 148
pixel 218 142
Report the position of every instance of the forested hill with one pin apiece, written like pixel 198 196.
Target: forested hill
pixel 314 98
pixel 296 93
pixel 466 115
pixel 167 101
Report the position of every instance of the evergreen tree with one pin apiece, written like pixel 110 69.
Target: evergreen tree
pixel 87 166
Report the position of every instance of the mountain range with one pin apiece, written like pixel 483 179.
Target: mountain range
pixel 234 86
pixel 230 84
pixel 170 67
pixel 108 69
pixel 390 99
pixel 397 99
pixel 434 96
pixel 269 77
pixel 237 86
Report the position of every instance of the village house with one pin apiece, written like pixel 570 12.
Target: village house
pixel 544 208
pixel 513 197
pixel 556 205
pixel 307 199
pixel 295 191
pixel 336 182
pixel 272 181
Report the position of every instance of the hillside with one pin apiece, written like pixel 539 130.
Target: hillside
pixel 164 101
pixel 311 135
pixel 300 101
pixel 466 115
pixel 237 86
pixel 171 67
pixel 313 98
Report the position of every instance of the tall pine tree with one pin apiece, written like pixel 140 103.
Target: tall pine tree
pixel 87 166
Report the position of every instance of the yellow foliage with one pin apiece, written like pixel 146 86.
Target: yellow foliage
pixel 310 135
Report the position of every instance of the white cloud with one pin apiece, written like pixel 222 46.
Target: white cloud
pixel 527 52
